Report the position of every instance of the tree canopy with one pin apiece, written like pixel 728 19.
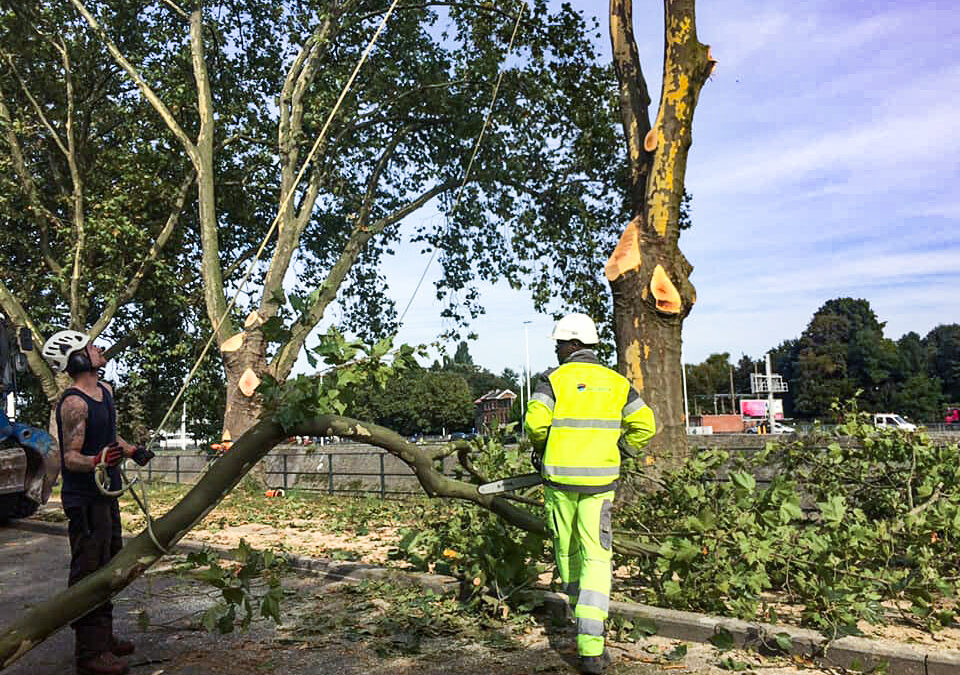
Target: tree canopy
pixel 842 351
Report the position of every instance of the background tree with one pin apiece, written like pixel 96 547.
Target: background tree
pixel 843 351
pixel 705 379
pixel 90 209
pixel 943 349
pixel 417 401
pixel 479 379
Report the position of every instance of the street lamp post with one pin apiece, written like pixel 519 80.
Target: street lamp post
pixel 526 342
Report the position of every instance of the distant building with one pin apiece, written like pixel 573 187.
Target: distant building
pixel 493 407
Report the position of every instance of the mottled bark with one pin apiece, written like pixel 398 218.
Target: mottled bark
pixel 648 274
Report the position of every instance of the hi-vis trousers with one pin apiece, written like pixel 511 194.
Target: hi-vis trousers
pixel 583 545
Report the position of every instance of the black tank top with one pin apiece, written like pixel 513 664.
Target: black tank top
pixel 79 488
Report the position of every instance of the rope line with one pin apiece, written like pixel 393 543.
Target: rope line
pixel 283 207
pixel 473 156
pixel 144 505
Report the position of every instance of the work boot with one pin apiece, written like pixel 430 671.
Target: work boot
pixel 121 647
pixel 103 663
pixel 594 665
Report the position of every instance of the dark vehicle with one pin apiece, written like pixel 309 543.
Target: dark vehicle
pixel 29 463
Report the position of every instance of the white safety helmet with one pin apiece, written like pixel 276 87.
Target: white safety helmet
pixel 61 345
pixel 576 327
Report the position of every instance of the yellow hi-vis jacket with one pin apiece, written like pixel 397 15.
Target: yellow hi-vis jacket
pixel 576 416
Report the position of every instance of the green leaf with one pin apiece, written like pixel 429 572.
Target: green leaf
pixel 677 654
pixel 729 663
pixel 783 641
pixel 790 510
pixel 644 626
pixel 722 640
pixel 743 480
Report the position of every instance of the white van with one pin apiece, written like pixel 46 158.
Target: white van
pixel 892 421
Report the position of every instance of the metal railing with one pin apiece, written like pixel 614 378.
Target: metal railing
pixel 337 471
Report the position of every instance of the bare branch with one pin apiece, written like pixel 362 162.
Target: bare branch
pixel 36 106
pixel 285 358
pixel 147 263
pixel 634 98
pixel 14 310
pixel 142 85
pixel 374 180
pixel 41 214
pixel 176 8
pixel 78 305
pixel 214 295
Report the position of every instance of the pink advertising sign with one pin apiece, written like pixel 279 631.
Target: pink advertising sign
pixel 757 407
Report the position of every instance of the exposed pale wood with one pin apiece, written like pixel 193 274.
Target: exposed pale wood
pixel 234 343
pixel 248 382
pixel 651 299
pixel 666 294
pixel 253 320
pixel 626 256
pixel 650 141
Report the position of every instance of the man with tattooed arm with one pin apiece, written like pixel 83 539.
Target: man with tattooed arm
pixel 87 427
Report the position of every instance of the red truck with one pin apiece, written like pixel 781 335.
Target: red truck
pixel 952 416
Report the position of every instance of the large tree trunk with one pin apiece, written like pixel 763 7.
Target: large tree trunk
pixel 648 274
pixel 244 363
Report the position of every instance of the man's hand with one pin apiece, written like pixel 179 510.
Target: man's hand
pixel 536 459
pixel 128 449
pixel 111 454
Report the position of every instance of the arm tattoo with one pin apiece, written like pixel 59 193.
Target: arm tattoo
pixel 73 417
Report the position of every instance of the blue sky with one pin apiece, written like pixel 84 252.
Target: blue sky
pixel 824 164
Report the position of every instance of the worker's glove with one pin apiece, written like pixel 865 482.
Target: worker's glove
pixel 536 458
pixel 626 450
pixel 141 455
pixel 111 455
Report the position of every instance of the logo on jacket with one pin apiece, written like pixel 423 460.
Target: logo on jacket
pixel 582 387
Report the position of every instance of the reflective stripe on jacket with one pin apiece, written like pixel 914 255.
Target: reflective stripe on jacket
pixel 576 417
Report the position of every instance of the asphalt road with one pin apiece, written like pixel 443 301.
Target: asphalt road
pixel 33 567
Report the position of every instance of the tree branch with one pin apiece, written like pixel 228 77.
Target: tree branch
pixel 45 618
pixel 78 305
pixel 147 263
pixel 290 130
pixel 686 66
pixel 634 99
pixel 216 301
pixel 142 85
pixel 41 214
pixel 18 315
pixel 287 355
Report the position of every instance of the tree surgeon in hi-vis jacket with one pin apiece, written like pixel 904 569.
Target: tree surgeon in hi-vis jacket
pixel 579 417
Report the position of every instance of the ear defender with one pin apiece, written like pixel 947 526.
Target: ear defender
pixel 79 362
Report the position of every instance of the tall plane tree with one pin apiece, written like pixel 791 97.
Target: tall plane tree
pixel 648 274
pixel 225 101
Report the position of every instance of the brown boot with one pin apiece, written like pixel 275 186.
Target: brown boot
pixel 104 663
pixel 121 647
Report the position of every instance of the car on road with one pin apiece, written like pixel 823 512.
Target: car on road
pixel 778 428
pixel 892 421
